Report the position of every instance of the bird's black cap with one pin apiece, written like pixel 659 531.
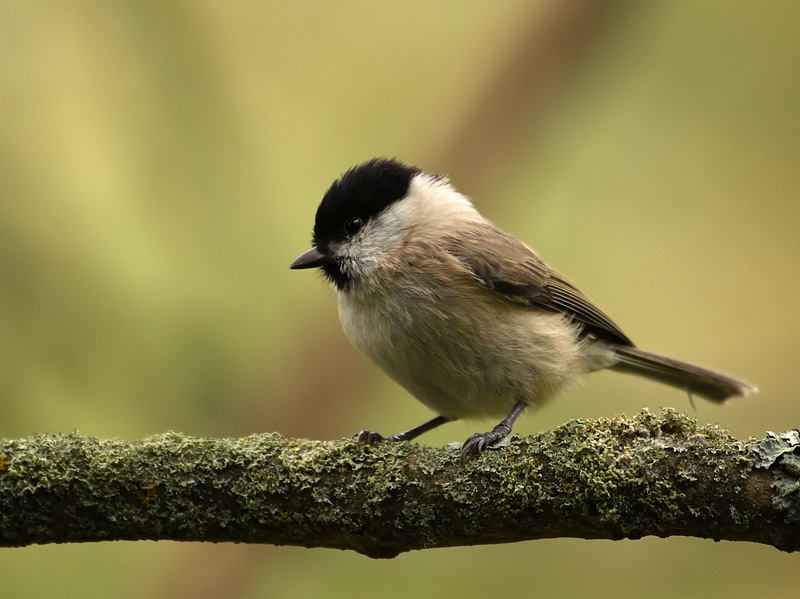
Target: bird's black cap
pixel 362 192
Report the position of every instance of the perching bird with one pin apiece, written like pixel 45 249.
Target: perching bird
pixel 461 313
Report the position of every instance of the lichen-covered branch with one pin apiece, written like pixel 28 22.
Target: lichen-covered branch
pixel 611 479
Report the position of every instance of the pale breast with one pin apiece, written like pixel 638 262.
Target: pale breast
pixel 465 352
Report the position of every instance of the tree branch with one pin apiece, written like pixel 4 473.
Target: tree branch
pixel 620 478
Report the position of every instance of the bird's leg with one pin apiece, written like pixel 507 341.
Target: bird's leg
pixel 480 442
pixel 370 438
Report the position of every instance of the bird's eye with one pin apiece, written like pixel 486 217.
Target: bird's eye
pixel 353 225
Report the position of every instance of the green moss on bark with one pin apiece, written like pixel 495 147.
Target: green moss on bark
pixel 652 474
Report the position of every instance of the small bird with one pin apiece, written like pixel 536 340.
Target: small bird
pixel 467 318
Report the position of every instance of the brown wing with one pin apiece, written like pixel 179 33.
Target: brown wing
pixel 514 270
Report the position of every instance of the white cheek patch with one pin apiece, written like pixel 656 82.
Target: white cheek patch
pixel 361 255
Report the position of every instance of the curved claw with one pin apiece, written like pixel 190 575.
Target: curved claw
pixel 369 438
pixel 476 445
pixel 480 442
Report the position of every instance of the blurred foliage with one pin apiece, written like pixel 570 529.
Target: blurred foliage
pixel 161 165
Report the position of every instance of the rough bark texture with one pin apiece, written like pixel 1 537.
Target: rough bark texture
pixel 620 478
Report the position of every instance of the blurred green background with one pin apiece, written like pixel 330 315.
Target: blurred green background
pixel 161 163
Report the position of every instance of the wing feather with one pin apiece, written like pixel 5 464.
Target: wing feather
pixel 515 271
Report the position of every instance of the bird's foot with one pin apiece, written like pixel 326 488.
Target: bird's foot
pixel 370 438
pixel 480 442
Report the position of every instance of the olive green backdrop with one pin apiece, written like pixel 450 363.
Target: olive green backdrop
pixel 160 165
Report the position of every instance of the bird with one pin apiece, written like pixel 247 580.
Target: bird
pixel 462 314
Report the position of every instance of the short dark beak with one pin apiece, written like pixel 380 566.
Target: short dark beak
pixel 310 259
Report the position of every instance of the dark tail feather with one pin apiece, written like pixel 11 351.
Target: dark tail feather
pixel 693 379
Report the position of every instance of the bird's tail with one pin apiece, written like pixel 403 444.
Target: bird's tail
pixel 694 379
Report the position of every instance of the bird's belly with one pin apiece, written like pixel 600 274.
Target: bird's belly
pixel 461 364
